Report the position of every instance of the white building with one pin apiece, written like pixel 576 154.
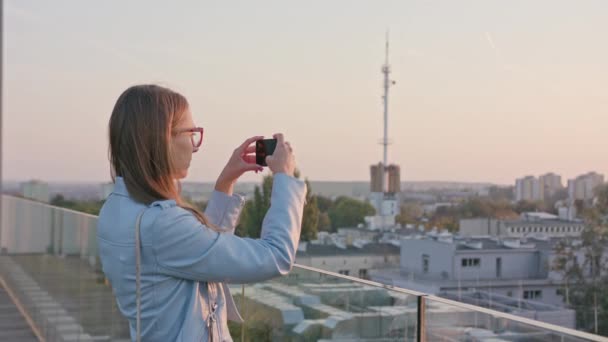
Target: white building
pixel 527 189
pixel 353 259
pixel 550 184
pixel 503 273
pixel 36 190
pixel 583 186
pixel 530 188
pixel 387 208
pixel 539 225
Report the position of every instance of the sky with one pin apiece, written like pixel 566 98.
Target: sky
pixel 485 90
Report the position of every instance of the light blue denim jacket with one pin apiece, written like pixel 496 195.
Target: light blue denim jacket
pixel 185 265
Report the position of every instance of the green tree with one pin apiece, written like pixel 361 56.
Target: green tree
pixel 324 203
pixel 586 278
pixel 324 222
pixel 253 213
pixel 255 209
pixel 310 218
pixel 90 207
pixel 409 213
pixel 501 193
pixel 349 212
pixel 525 206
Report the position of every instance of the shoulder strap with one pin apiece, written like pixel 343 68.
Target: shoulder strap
pixel 137 274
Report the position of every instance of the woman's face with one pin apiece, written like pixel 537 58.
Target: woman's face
pixel 181 145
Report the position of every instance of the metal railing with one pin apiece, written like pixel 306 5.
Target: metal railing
pixel 52 266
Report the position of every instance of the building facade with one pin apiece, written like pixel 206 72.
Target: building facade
pixel 583 187
pixel 529 225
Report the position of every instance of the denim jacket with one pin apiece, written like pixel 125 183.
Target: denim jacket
pixel 185 265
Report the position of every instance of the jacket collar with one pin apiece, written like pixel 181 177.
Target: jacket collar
pixel 120 188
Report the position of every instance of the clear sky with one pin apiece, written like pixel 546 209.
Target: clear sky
pixel 486 90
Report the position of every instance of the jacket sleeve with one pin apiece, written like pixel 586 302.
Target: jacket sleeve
pixel 187 249
pixel 224 211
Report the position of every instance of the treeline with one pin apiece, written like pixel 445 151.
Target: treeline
pixel 320 213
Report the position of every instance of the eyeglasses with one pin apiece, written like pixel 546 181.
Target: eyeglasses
pixel 196 137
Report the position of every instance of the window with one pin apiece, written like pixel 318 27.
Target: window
pixel 498 267
pixel 363 273
pixel 533 294
pixel 510 293
pixel 471 262
pixel 560 292
pixel 343 272
pixel 425 263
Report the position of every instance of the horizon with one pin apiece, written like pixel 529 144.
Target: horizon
pixel 486 92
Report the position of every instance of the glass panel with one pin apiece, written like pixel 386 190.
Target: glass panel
pixel 311 306
pixel 446 322
pixel 52 268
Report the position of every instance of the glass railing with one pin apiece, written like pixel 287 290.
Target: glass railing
pixel 50 264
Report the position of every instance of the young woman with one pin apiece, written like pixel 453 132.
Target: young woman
pixel 169 275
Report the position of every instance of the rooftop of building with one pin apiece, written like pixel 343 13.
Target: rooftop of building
pixel 333 250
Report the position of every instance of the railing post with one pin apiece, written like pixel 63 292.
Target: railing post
pixel 1 113
pixel 421 320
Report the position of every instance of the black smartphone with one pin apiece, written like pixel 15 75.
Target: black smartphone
pixel 263 148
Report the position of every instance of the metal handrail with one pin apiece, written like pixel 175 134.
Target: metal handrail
pixel 428 297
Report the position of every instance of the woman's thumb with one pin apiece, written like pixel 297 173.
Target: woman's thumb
pixel 269 159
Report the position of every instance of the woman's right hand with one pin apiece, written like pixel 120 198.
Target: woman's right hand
pixel 282 160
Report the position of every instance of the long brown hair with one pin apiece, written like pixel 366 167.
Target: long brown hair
pixel 140 134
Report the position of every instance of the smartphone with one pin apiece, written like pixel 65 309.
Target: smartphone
pixel 263 148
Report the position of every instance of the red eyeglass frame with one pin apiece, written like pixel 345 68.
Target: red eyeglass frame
pixel 192 130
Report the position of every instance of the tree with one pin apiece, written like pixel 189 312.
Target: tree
pixel 584 266
pixel 349 212
pixel 310 218
pixel 324 222
pixel 526 206
pixel 255 209
pixel 324 203
pixel 409 213
pixel 601 193
pixel 90 207
pixel 501 193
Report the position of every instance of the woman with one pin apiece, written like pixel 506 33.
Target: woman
pixel 185 257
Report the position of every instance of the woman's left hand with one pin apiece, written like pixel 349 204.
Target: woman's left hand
pixel 241 161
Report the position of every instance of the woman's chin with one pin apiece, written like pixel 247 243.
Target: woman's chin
pixel 182 174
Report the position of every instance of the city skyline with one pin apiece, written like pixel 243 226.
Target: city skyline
pixel 485 92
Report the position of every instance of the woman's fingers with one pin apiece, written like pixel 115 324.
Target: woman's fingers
pixel 279 138
pixel 249 158
pixel 249 149
pixel 248 142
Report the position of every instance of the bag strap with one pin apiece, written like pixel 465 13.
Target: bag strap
pixel 137 274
